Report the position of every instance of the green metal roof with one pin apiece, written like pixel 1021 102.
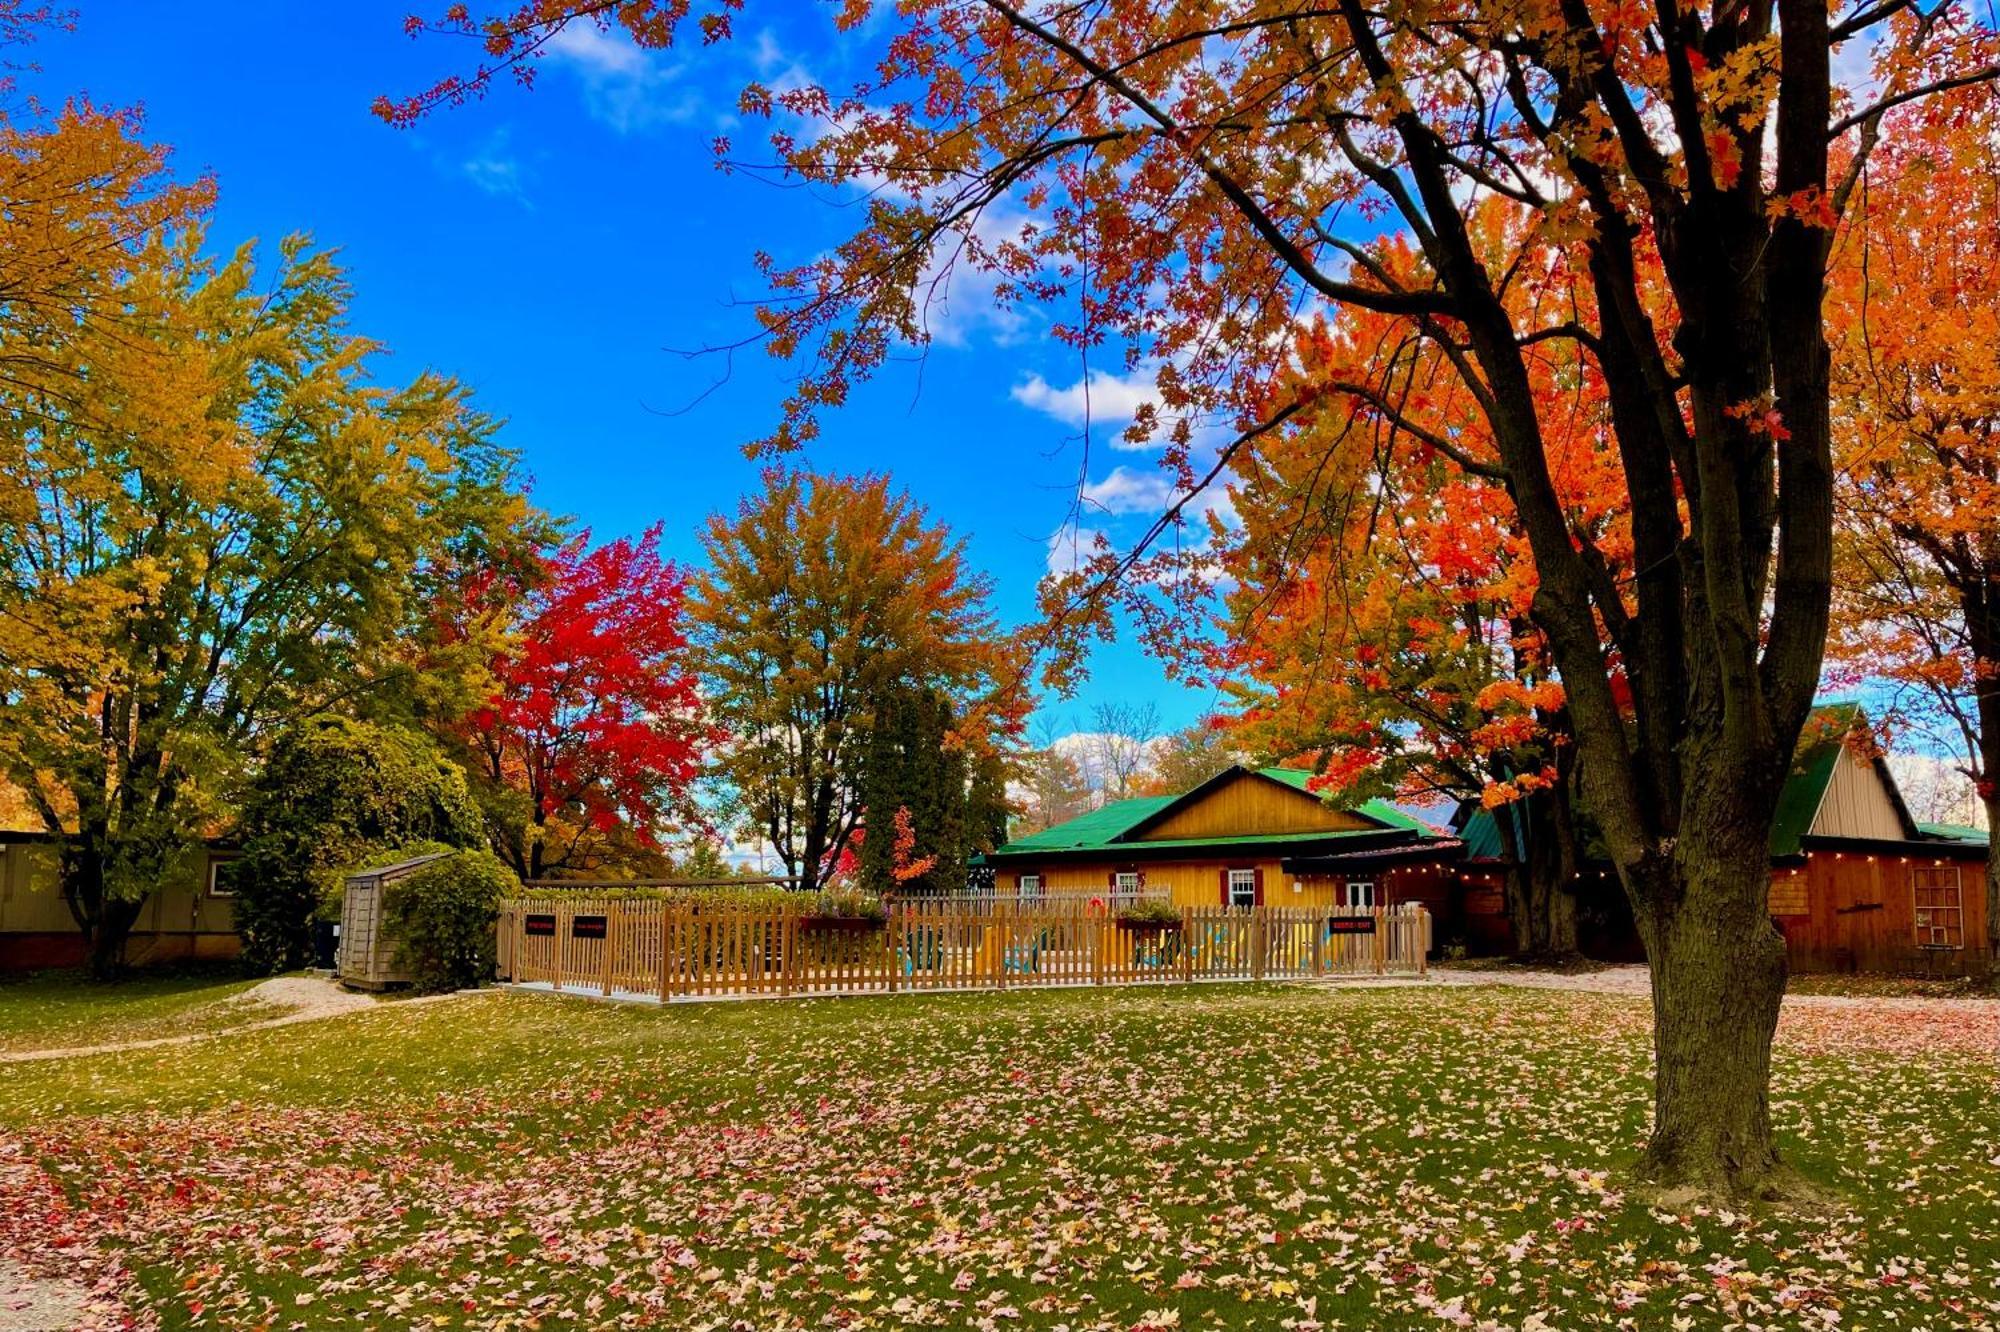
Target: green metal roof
pixel 1955 832
pixel 1820 747
pixel 1104 829
pixel 1097 828
pixel 1481 834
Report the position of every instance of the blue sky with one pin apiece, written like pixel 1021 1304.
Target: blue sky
pixel 558 249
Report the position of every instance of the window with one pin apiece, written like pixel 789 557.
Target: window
pixel 1940 906
pixel 1125 886
pixel 1031 887
pixel 1242 887
pixel 1361 893
pixel 218 886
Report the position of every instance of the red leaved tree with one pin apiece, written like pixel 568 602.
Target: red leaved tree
pixel 593 735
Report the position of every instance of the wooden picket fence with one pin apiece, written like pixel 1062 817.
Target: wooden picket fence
pixel 655 948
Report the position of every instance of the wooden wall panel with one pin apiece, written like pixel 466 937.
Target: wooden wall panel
pixel 1857 804
pixel 1862 910
pixel 1187 883
pixel 1252 806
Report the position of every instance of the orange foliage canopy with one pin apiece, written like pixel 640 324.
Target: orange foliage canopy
pixel 1916 308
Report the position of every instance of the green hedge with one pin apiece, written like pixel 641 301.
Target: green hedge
pixel 442 918
pixel 330 791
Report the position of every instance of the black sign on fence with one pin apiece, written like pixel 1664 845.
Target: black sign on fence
pixel 537 925
pixel 1350 924
pixel 587 927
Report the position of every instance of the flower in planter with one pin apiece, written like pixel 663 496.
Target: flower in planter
pixel 851 904
pixel 1149 915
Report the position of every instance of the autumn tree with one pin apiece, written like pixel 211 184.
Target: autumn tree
pixel 217 539
pixel 1053 790
pixel 825 597
pixel 1119 745
pixel 1184 759
pixel 84 192
pixel 1377 604
pixel 588 745
pixel 1916 380
pixel 1200 179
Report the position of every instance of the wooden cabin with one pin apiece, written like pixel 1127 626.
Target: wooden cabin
pixel 1245 837
pixel 1856 883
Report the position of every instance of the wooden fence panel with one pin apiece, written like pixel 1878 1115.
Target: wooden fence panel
pixel 662 949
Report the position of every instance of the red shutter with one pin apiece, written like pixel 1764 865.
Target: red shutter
pixel 1225 886
pixel 1257 885
pixel 1111 880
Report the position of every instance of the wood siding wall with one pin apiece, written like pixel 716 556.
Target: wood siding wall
pixel 1252 806
pixel 180 920
pixel 1857 803
pixel 1199 882
pixel 1843 910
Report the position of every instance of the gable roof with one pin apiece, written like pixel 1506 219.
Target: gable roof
pixel 1113 827
pixel 1821 746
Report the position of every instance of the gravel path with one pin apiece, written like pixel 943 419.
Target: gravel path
pixel 305 999
pixel 36 1304
pixel 1635 981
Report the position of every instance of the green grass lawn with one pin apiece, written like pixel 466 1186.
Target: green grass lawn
pixel 51 1010
pixel 1216 1156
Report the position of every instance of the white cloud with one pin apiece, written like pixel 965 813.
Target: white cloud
pixel 495 170
pixel 1129 490
pixel 1150 492
pixel 624 86
pixel 1099 398
pixel 960 297
pixel 1070 548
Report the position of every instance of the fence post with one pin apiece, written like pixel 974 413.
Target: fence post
pixel 666 948
pixel 561 948
pixel 612 916
pixel 889 937
pixel 784 937
pixel 1424 943
pixel 1381 941
pixel 509 921
pixel 1319 947
pixel 1256 943
pixel 1187 945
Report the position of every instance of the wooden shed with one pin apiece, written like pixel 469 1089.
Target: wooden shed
pixel 367 958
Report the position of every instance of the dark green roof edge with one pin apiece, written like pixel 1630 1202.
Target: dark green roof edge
pixel 1956 832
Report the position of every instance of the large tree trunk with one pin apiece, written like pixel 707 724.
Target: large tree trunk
pixel 1992 871
pixel 107 942
pixel 1718 973
pixel 106 922
pixel 1538 838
